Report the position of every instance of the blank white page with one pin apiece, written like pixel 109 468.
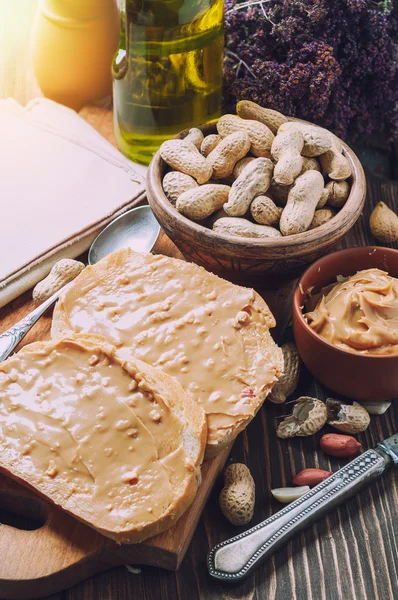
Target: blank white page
pixel 52 188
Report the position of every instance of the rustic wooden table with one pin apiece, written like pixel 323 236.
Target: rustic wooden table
pixel 350 555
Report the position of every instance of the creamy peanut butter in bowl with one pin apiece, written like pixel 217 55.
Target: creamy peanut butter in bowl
pixel 359 313
pixel 345 320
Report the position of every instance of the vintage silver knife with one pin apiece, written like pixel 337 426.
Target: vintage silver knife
pixel 235 558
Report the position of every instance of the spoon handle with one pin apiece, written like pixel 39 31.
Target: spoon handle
pixel 11 338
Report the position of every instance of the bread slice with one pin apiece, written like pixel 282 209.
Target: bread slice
pixel 209 334
pixel 116 443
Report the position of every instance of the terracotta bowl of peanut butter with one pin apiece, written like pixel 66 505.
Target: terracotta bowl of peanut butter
pixel 251 261
pixel 351 373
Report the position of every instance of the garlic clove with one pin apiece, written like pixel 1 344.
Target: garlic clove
pixel 375 408
pixel 289 494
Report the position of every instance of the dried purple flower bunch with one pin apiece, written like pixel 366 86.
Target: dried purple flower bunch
pixel 332 62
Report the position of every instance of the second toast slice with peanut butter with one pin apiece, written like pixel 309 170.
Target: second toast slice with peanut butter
pixel 211 335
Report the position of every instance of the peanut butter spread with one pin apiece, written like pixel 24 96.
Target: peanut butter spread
pixel 90 432
pixel 211 335
pixel 359 313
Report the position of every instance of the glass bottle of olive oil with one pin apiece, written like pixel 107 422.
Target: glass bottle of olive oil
pixel 167 71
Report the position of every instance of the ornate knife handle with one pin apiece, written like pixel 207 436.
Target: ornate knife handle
pixel 235 558
pixel 11 338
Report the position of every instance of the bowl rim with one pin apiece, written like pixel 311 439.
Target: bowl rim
pixel 340 223
pixel 298 313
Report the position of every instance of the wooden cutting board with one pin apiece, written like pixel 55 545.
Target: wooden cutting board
pixel 63 551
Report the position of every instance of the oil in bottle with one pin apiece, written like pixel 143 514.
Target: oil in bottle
pixel 167 71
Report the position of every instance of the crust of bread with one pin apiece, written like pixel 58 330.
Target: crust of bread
pixel 266 346
pixel 214 447
pixel 169 391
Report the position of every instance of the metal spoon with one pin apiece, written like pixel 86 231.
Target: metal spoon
pixel 136 229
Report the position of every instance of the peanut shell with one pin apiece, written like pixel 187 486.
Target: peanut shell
pixel 384 224
pixel 301 203
pixel 209 143
pixel 199 203
pixel 195 136
pixel 264 211
pixel 286 149
pixel 322 216
pixel 291 374
pixel 254 180
pixel 261 137
pixel 335 165
pixel 338 192
pixel 243 228
pixel 185 157
pixel 316 139
pixel 309 416
pixel 348 418
pixel 176 183
pixel 64 271
pixel 310 164
pixel 237 497
pixel 271 118
pixel 227 153
pixel 241 164
pixel 323 199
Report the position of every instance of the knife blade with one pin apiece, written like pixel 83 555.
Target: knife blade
pixel 237 557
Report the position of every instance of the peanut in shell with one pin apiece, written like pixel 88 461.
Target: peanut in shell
pixel 253 181
pixel 238 494
pixel 176 183
pixel 264 211
pixel 316 139
pixel 241 164
pixel 335 165
pixel 239 227
pixel 209 143
pixel 185 157
pixel 64 271
pixel 227 153
pixel 261 137
pixel 291 374
pixel 302 201
pixel 195 136
pixel 286 149
pixel 384 224
pixel 201 202
pixel 338 192
pixel 271 118
pixel 322 216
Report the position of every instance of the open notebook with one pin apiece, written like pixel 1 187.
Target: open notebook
pixel 61 182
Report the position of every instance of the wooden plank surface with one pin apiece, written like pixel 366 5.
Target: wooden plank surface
pixel 352 554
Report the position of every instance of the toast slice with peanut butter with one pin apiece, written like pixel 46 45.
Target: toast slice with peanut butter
pixel 211 335
pixel 114 442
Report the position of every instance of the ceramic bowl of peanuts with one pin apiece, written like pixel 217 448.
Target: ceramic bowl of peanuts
pixel 257 192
